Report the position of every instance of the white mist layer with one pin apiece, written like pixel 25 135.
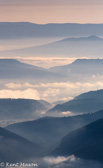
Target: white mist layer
pixel 68 162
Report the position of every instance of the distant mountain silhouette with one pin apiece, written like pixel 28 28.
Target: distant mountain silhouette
pixel 20 109
pixel 92 94
pixel 89 38
pixel 14 148
pixel 90 46
pixel 10 30
pixel 84 103
pixel 81 66
pixel 15 70
pixel 49 131
pixel 86 142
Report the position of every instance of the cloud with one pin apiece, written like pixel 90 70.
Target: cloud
pixel 26 94
pixel 18 85
pixel 47 62
pixel 52 92
pixel 56 160
pixel 68 162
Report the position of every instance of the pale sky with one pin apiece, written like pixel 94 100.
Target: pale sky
pixel 52 11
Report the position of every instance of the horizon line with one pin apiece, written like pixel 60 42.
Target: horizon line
pixel 49 23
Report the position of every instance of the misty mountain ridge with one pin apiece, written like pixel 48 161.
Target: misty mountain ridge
pixel 81 66
pixel 49 131
pixel 15 70
pixel 92 37
pixel 91 94
pixel 14 62
pixel 84 103
pixel 85 142
pixel 90 46
pixel 14 148
pixel 30 30
pixel 21 109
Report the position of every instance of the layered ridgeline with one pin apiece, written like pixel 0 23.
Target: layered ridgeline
pixel 90 46
pixel 84 103
pixel 12 69
pixel 49 131
pixel 22 109
pixel 81 66
pixel 29 30
pixel 14 148
pixel 86 142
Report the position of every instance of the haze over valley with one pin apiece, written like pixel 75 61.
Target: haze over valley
pixel 51 83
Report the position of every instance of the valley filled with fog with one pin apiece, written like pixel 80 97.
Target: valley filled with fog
pixel 51 94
